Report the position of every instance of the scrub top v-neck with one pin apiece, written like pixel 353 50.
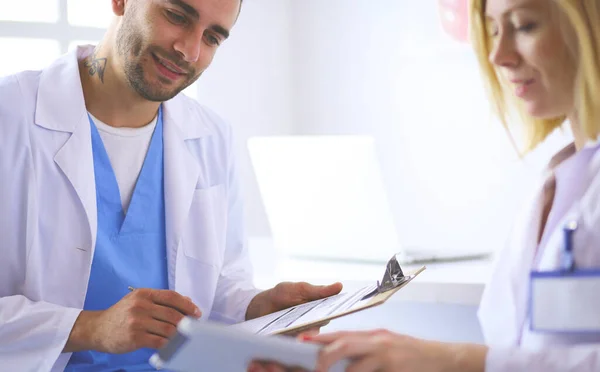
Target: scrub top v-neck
pixel 130 248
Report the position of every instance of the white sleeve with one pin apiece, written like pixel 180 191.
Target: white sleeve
pixel 584 358
pixel 33 334
pixel 235 287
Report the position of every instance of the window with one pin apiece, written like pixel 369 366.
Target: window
pixel 35 32
pixel 29 11
pixel 27 54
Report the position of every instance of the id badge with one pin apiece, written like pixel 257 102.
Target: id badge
pixel 566 300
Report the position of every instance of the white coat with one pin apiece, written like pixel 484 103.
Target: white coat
pixel 48 220
pixel 504 306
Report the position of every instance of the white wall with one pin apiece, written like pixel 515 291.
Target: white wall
pixel 387 68
pixel 250 85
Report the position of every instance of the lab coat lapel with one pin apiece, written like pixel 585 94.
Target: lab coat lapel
pixel 182 172
pixel 61 107
pixel 524 256
pixel 501 312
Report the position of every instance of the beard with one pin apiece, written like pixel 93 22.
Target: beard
pixel 133 51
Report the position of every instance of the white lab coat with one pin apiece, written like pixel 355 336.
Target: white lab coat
pixel 504 306
pixel 48 220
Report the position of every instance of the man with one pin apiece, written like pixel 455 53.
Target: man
pixel 120 197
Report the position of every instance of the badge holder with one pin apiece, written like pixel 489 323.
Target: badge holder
pixel 565 300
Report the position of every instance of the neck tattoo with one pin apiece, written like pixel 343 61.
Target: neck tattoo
pixel 96 66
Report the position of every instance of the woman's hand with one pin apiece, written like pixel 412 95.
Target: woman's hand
pixel 383 350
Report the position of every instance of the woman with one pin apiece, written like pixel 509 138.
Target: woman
pixel 541 60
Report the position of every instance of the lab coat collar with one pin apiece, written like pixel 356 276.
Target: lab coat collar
pixel 187 120
pixel 61 104
pixel 561 156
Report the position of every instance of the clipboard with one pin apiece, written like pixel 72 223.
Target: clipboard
pixel 318 313
pixel 198 342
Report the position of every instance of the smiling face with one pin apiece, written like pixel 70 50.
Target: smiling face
pixel 165 45
pixel 530 53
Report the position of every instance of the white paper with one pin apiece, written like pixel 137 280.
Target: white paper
pixel 334 305
pixel 305 313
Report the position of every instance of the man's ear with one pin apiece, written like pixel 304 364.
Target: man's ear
pixel 118 7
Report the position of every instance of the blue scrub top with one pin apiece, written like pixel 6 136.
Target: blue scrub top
pixel 130 248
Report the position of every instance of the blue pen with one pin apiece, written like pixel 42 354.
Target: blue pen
pixel 568 261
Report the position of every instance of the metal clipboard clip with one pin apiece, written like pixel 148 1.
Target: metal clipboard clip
pixel 392 278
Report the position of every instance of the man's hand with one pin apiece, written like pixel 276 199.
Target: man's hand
pixel 282 296
pixel 285 295
pixel 144 318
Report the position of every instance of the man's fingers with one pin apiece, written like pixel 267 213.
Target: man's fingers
pixel 160 328
pixel 322 291
pixel 176 301
pixel 152 341
pixel 315 292
pixel 166 314
pixel 332 289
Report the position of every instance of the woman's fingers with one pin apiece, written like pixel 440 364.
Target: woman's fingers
pixel 349 347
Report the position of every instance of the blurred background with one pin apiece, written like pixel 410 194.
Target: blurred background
pixel 399 70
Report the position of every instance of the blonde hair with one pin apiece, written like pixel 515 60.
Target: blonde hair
pixel 582 18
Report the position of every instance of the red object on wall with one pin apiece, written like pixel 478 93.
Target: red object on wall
pixel 454 15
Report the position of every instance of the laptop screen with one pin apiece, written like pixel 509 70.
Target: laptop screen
pixel 324 197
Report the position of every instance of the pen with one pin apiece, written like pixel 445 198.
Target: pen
pixel 131 289
pixel 568 262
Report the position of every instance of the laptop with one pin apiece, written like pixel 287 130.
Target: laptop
pixel 325 199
